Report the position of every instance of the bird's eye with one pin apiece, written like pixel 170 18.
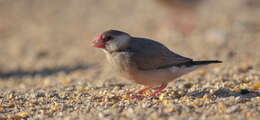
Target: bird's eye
pixel 108 38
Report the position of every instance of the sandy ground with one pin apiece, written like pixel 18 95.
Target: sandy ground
pixel 48 69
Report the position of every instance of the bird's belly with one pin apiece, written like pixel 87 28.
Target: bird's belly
pixel 129 71
pixel 154 77
pixel 149 77
pixel 160 76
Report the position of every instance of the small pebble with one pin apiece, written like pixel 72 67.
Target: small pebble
pixel 243 91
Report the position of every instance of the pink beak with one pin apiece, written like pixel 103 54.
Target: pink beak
pixel 98 42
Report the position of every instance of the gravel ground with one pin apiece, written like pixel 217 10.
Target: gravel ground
pixel 48 69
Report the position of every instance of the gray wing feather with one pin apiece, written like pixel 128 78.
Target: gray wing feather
pixel 149 54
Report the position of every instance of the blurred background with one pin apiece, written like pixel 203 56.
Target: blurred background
pixel 42 40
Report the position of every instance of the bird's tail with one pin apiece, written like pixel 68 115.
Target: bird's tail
pixel 199 63
pixel 191 66
pixel 205 62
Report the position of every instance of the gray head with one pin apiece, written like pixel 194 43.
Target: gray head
pixel 112 40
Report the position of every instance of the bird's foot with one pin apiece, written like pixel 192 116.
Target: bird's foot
pixel 143 90
pixel 159 89
pixel 138 97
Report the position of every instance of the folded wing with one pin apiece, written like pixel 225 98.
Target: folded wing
pixel 149 54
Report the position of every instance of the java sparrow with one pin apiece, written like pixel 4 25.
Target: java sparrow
pixel 144 61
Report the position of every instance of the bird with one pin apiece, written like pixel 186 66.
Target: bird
pixel 144 61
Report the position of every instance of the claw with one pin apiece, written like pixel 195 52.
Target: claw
pixel 159 89
pixel 143 90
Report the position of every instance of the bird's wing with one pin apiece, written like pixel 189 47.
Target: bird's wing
pixel 149 54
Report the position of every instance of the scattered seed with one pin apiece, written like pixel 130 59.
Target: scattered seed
pixel 171 109
pixel 235 89
pixel 221 107
pixel 256 86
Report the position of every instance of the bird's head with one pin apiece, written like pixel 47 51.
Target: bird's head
pixel 112 40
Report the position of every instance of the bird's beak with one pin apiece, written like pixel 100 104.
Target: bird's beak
pixel 98 42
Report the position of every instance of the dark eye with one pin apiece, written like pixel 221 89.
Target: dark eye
pixel 108 38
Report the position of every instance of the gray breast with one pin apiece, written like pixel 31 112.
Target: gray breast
pixel 122 63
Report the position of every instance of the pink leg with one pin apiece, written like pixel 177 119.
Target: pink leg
pixel 142 90
pixel 159 89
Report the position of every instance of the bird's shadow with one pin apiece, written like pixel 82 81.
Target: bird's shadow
pixel 224 92
pixel 43 72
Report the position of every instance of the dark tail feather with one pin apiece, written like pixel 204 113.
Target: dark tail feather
pixel 192 63
pixel 205 62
